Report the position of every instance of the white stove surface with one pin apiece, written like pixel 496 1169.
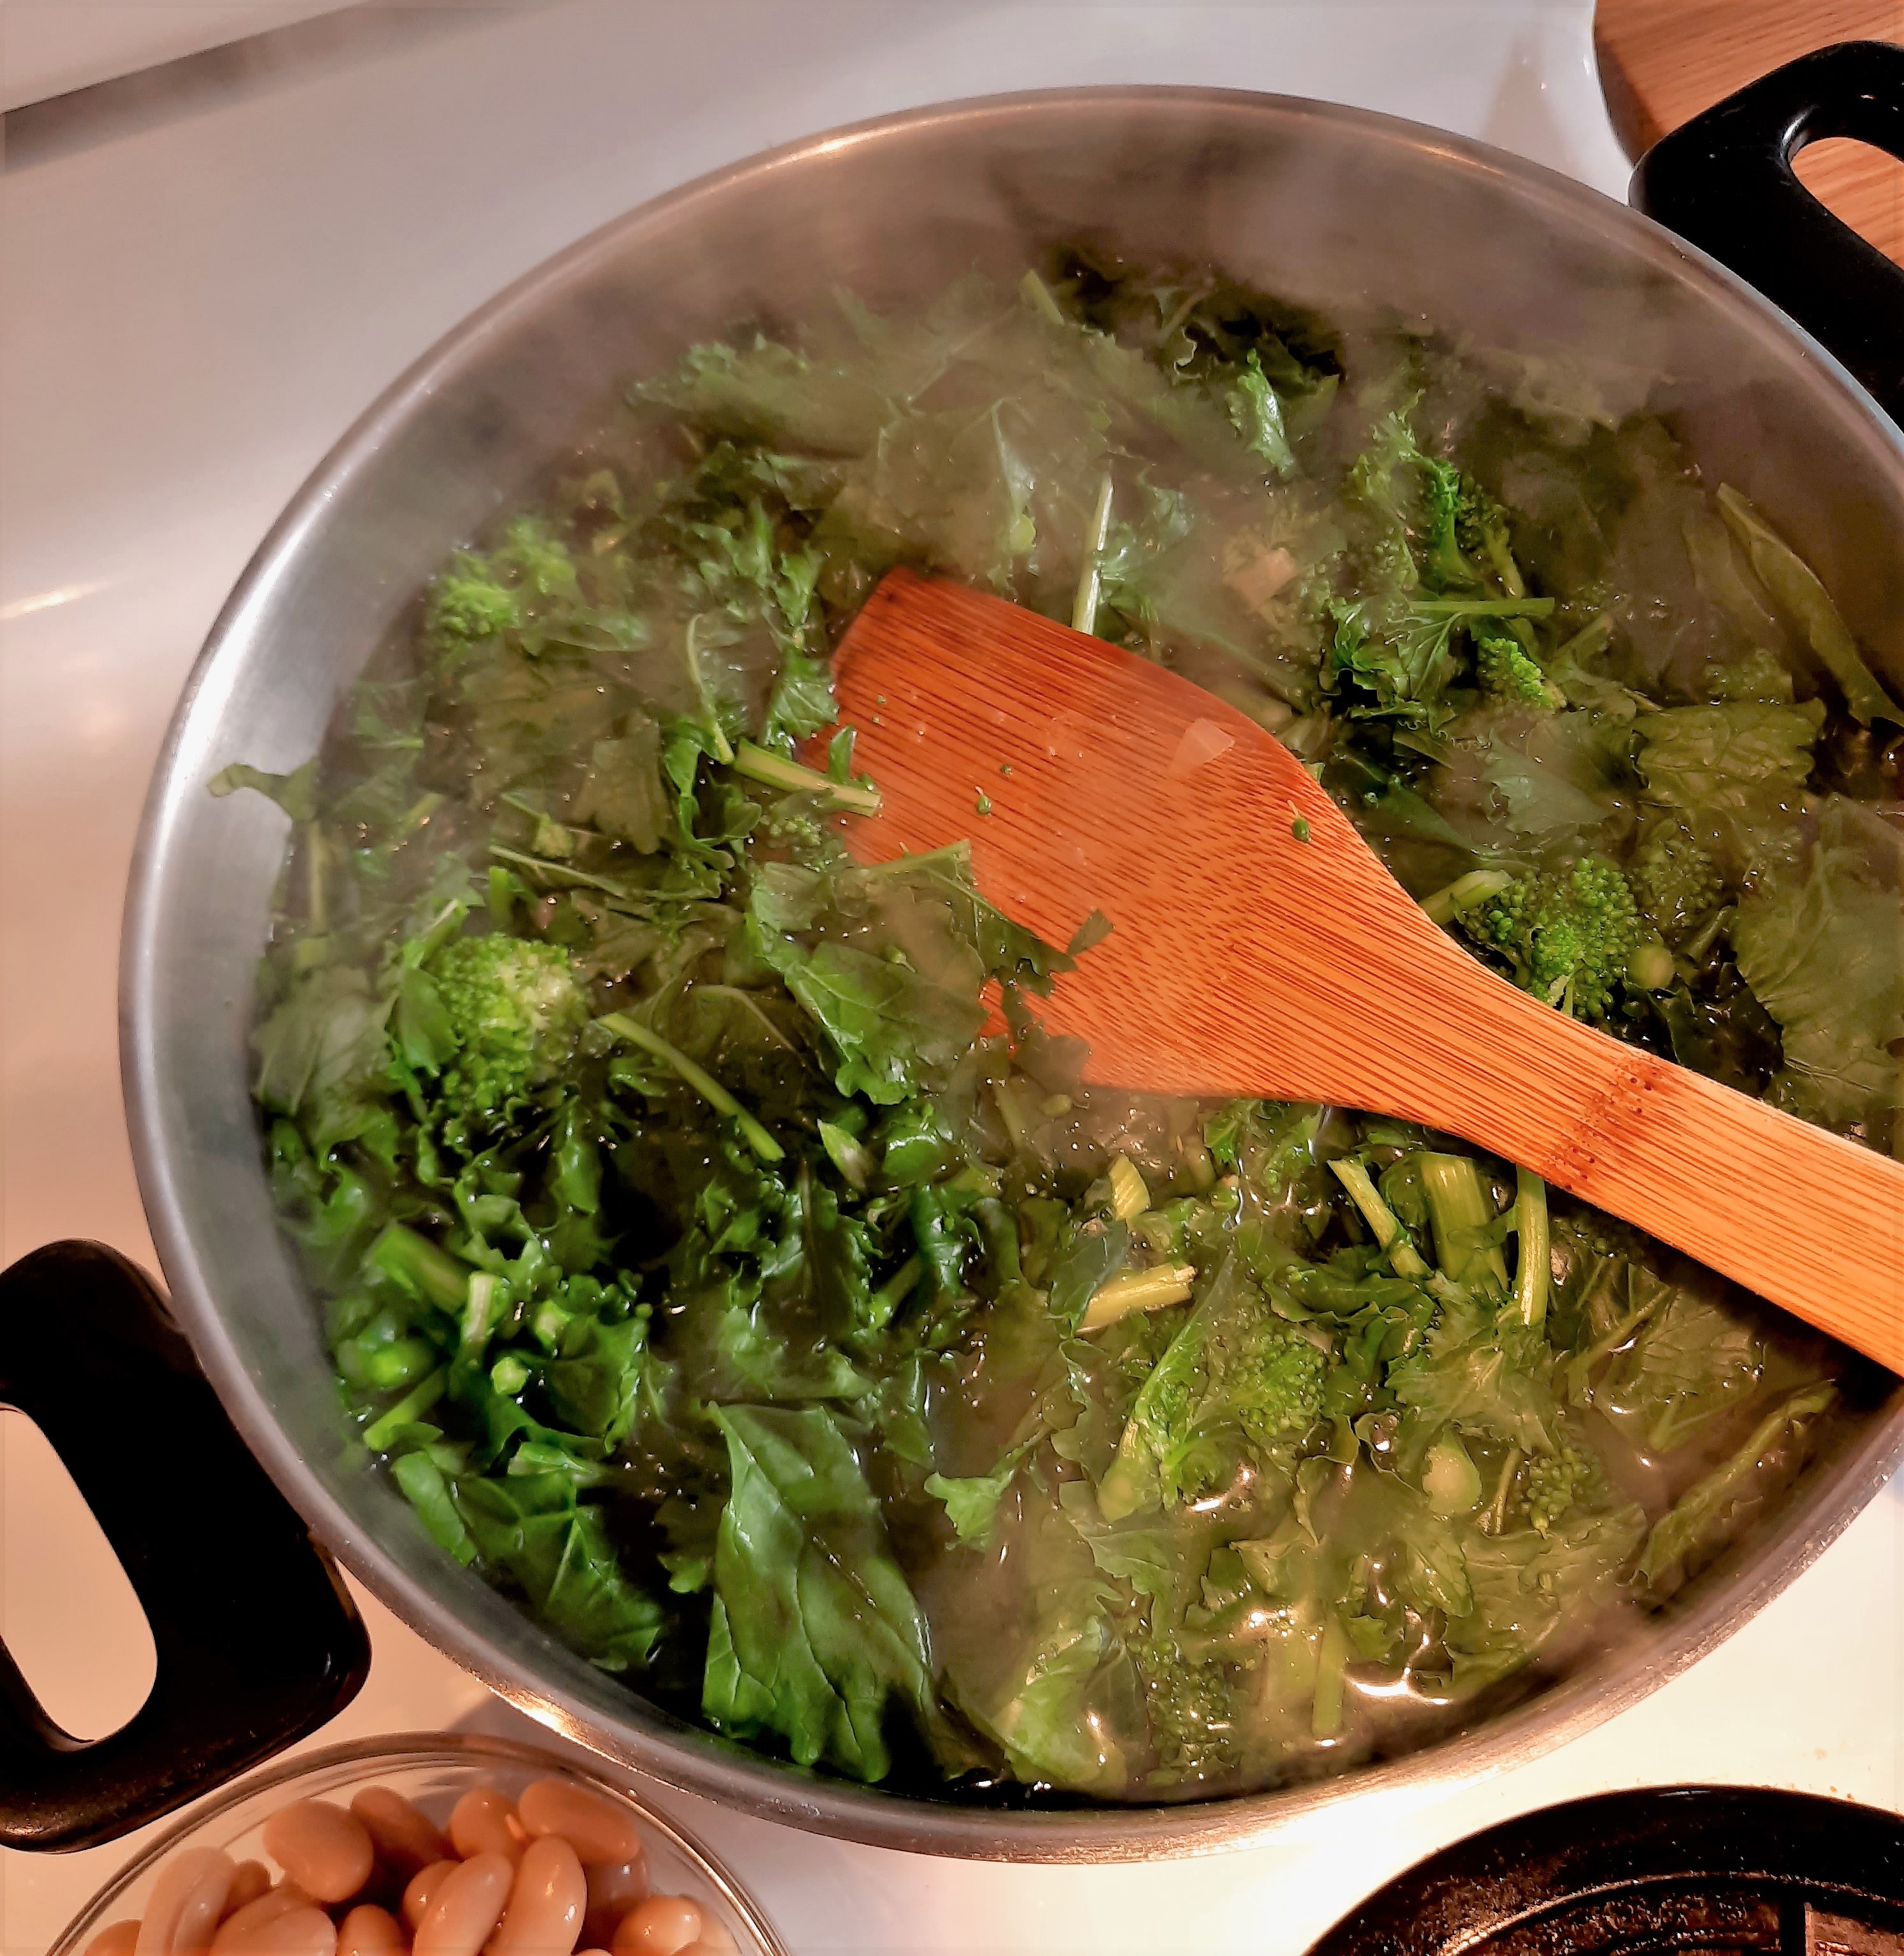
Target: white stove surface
pixel 210 271
pixel 48 47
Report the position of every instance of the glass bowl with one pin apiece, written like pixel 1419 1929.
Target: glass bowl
pixel 433 1770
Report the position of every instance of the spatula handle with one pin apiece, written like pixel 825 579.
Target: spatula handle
pixel 1806 1219
pixel 1258 946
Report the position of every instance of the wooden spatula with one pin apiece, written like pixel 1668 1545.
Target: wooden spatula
pixel 1259 947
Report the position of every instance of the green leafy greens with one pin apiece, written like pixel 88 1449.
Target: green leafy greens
pixel 727 1264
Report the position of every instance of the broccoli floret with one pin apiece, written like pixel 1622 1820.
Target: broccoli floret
pixel 1467 528
pixel 1275 1383
pixel 1444 506
pixel 1464 526
pixel 1406 658
pixel 1480 523
pixel 1558 1483
pixel 469 604
pixel 1189 1707
pixel 1567 934
pixel 1233 1368
pixel 1502 665
pixel 477 598
pixel 1451 512
pixel 541 561
pixel 1674 882
pixel 514 1009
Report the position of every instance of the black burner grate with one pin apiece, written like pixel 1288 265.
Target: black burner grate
pixel 1672 1871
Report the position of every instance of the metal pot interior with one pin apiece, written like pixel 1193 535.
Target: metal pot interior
pixel 1347 212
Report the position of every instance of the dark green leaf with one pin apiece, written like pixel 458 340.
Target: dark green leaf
pixel 815 1630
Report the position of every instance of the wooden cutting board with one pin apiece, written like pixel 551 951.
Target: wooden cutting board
pixel 1663 61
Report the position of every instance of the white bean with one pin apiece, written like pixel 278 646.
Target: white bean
pixel 187 1901
pixel 421 1889
pixel 367 1931
pixel 252 1879
pixel 661 1926
pixel 240 1929
pixel 546 1904
pixel 466 1907
pixel 613 1891
pixel 406 1838
pixel 594 1828
pixel 479 1824
pixel 325 1850
pixel 303 1931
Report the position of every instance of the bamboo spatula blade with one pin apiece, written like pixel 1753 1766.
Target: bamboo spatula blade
pixel 1258 946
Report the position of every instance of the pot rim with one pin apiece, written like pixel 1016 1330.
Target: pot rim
pixel 682 1755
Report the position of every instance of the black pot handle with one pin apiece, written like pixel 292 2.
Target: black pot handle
pixel 257 1641
pixel 1725 182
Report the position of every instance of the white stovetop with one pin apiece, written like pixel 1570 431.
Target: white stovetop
pixel 203 288
pixel 48 47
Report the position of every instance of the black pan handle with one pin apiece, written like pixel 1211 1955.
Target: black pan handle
pixel 1725 182
pixel 257 1641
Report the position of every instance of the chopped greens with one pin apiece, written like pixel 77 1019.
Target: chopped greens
pixel 727 1264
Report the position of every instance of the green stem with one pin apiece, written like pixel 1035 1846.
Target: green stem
pixel 1130 1194
pixel 1495 1519
pixel 703 1083
pixel 852 1161
pixel 1331 1659
pixel 776 770
pixel 413 1405
pixel 1034 289
pixel 315 880
pixel 1186 306
pixel 484 1307
pixel 1686 1523
pixel 1587 640
pixel 1153 1289
pixel 1650 966
pixel 1501 557
pixel 419 1267
pixel 950 853
pixel 749 1003
pixel 903 1281
pixel 1708 934
pixel 1001 1231
pixel 419 815
pixel 1012 1115
pixel 1476 887
pixel 1533 1268
pixel 1484 607
pixel 1084 609
pixel 558 873
pixel 895 1291
pixel 1460 1210
pixel 722 751
pixel 1403 1258
pixel 1579 1367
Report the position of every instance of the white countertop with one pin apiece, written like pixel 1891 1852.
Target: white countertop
pixel 208 277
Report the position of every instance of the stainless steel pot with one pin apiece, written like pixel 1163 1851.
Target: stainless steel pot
pixel 1343 210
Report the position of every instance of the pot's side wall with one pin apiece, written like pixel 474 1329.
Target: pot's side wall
pixel 1348 213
